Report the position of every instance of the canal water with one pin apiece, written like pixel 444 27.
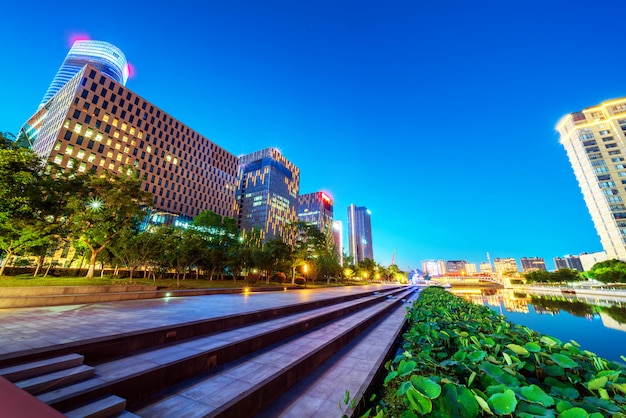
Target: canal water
pixel 598 325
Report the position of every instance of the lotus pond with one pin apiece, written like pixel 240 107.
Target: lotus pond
pixel 460 359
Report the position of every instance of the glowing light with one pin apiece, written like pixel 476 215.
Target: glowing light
pixel 129 70
pixel 95 204
pixel 168 294
pixel 326 198
pixel 78 37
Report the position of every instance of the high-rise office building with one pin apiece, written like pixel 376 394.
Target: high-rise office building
pixel 455 267
pixel 571 262
pixel 486 268
pixel 434 268
pixel 505 265
pixel 533 264
pixel 595 143
pixel 267 194
pixel 316 209
pixel 338 238
pixel 103 56
pixel 360 233
pixel 95 123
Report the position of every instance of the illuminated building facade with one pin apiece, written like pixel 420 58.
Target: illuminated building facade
pixel 505 265
pixel 595 143
pixel 267 194
pixel 455 267
pixel 533 264
pixel 95 123
pixel 360 233
pixel 316 209
pixel 571 262
pixel 434 268
pixel 338 238
pixel 486 268
pixel 103 56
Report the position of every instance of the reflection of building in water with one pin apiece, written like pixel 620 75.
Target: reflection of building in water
pixel 609 322
pixel 541 310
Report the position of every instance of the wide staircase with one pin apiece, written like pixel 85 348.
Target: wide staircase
pixel 305 360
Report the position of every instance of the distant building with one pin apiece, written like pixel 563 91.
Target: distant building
pixel 486 268
pixel 267 194
pixel 94 123
pixel 434 268
pixel 103 56
pixel 360 233
pixel 571 262
pixel 505 265
pixel 589 259
pixel 316 209
pixel 470 268
pixel 456 267
pixel 595 142
pixel 338 238
pixel 533 264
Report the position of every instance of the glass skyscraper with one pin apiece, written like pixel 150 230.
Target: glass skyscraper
pixel 267 194
pixel 103 56
pixel 360 233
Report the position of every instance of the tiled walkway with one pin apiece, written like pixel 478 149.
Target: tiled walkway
pixel 31 328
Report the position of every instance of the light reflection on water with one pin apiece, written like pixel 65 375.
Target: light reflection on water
pixel 598 325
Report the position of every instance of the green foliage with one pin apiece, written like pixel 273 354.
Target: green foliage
pixel 464 360
pixel 559 276
pixel 609 271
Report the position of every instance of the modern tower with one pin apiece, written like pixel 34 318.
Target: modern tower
pixel 267 194
pixel 595 143
pixel 338 238
pixel 505 265
pixel 571 262
pixel 316 209
pixel 94 123
pixel 103 56
pixel 533 264
pixel 360 233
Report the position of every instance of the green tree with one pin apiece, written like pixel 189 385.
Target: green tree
pixel 220 234
pixel 114 205
pixel 20 174
pixel 609 271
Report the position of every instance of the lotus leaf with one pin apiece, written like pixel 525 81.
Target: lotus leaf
pixel 406 367
pixel 426 386
pixel 603 404
pixel 403 388
pixel 532 347
pixel 488 342
pixel 549 341
pixel 597 383
pixel 620 386
pixel 483 404
pixel 507 358
pixel 392 375
pixel 562 406
pixel 418 402
pixel 574 413
pixel 535 394
pixel 604 394
pixel 503 403
pixel 517 349
pixel 525 409
pixel 476 356
pixel 569 393
pixel 563 361
pixel 553 370
pixel 611 374
pixel 457 401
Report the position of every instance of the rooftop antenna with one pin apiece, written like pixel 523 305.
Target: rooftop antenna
pixel 488 258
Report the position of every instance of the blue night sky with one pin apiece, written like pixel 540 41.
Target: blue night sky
pixel 437 116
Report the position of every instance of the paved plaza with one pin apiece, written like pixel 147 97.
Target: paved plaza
pixel 25 329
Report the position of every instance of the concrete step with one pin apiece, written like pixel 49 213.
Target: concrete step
pixel 350 371
pixel 102 348
pixel 36 368
pixel 152 370
pixel 102 408
pixel 46 382
pixel 247 386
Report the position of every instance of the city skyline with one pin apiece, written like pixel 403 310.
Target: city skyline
pixel 440 119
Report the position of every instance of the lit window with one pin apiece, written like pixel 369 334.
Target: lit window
pixel 118 145
pixel 125 138
pixel 70 164
pixel 69 149
pixel 119 157
pixel 105 117
pixel 80 154
pixel 139 134
pixel 132 130
pixel 115 122
pixel 57 146
pixel 148 148
pixel 126 150
pixel 66 124
pixel 99 136
pixel 78 127
pixel 116 134
pixel 110 154
pixel 111 166
pixel 91 158
pixel 58 159
pixel 124 126
pixel 89 133
pixel 82 167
